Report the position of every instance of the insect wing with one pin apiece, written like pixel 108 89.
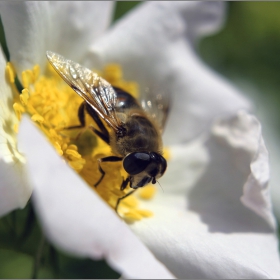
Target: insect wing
pixel 157 106
pixel 97 92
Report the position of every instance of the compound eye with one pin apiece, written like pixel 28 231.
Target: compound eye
pixel 135 163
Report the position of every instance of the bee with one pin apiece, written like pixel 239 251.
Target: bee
pixel 135 129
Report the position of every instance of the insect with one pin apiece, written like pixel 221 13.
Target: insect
pixel 135 130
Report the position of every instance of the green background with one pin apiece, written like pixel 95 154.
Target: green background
pixel 246 51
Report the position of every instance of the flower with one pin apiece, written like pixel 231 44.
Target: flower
pixel 214 218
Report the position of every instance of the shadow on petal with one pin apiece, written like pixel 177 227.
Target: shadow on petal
pixel 216 196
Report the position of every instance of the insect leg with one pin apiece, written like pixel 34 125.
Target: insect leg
pixel 125 183
pixel 123 197
pixel 103 133
pixel 81 116
pixel 105 159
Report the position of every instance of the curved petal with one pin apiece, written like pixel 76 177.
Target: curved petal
pixel 153 47
pixel 27 26
pixel 244 134
pixel 187 247
pixel 271 138
pixel 202 18
pixel 65 27
pixel 223 226
pixel 76 219
pixel 14 189
pixel 185 167
pixel 77 24
pixel 275 178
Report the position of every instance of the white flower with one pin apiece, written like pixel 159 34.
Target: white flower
pixel 214 218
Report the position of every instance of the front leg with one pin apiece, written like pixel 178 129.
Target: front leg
pixel 105 159
pixel 123 197
pixel 125 183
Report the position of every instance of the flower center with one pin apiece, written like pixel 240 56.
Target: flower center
pixel 53 106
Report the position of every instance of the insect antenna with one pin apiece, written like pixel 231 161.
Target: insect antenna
pixel 160 186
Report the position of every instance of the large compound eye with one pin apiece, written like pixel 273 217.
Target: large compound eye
pixel 135 163
pixel 159 165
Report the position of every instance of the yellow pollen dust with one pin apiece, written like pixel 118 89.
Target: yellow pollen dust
pixel 53 106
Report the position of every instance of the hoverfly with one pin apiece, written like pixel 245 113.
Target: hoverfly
pixel 135 130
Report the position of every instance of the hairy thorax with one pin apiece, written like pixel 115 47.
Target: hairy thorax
pixel 141 135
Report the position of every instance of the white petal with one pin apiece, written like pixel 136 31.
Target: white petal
pixel 222 227
pixel 76 219
pixel 192 250
pixel 77 24
pixel 14 190
pixel 65 27
pixel 186 165
pixel 27 26
pixel 271 138
pixel 275 176
pixel 244 134
pixel 153 46
pixel 202 17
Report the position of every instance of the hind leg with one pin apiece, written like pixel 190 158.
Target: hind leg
pixel 102 132
pixel 105 159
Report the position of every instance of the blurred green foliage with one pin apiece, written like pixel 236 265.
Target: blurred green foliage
pixel 24 253
pixel 248 44
pixel 247 51
pixel 3 41
pixel 122 7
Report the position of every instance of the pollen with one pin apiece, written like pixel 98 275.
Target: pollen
pixel 54 106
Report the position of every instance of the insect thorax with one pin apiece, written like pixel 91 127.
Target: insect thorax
pixel 141 135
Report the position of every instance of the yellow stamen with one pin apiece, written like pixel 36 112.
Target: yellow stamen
pixel 36 72
pixel 37 118
pixel 73 147
pixel 137 215
pixel 147 193
pixel 58 148
pixel 24 96
pixel 130 201
pixel 16 127
pixel 27 78
pixel 73 153
pixel 166 153
pixel 132 216
pixel 113 72
pixel 145 213
pixel 19 109
pixel 10 73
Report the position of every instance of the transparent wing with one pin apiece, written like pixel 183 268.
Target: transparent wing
pixel 97 92
pixel 157 106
